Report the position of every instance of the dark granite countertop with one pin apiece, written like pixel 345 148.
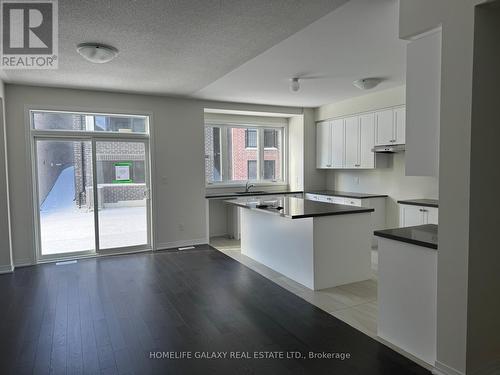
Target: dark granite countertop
pixel 421 202
pixel 257 192
pixel 421 235
pixel 296 208
pixel 347 194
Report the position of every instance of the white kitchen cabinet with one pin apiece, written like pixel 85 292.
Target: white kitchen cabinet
pixel 338 143
pixel 410 215
pixel 384 127
pixel 400 125
pixel 423 98
pixel 324 145
pixel 352 142
pixel 366 141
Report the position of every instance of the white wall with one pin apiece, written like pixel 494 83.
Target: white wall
pixel 5 247
pixel 296 152
pixel 457 20
pixel 314 179
pixel 178 153
pixel 390 180
pixel 364 103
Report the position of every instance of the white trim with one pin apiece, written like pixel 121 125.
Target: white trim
pixel 181 243
pixel 442 369
pixel 8 268
pixel 24 262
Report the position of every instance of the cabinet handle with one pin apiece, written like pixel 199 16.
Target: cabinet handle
pixel 357 165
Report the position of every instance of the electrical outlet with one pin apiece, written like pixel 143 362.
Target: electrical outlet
pixel 181 227
pixel 356 180
pixel 164 180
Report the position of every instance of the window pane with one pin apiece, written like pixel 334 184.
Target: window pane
pixel 273 154
pixel 213 162
pixel 239 154
pixel 252 169
pixel 270 138
pixel 269 170
pixel 251 138
pixel 89 122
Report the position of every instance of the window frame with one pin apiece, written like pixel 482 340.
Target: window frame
pixel 260 159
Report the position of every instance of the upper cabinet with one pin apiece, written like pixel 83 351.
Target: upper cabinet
pixel 384 127
pixel 323 144
pixel 390 127
pixel 347 143
pixel 423 96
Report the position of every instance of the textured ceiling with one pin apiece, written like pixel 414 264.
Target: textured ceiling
pixel 171 47
pixel 357 40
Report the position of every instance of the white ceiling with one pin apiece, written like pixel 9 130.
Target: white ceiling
pixel 171 47
pixel 358 40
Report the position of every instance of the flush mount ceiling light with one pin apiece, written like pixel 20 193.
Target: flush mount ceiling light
pixel 97 53
pixel 294 84
pixel 366 83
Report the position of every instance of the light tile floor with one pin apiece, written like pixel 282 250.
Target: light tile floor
pixel 355 304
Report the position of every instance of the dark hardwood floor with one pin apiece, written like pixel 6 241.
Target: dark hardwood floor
pixel 105 316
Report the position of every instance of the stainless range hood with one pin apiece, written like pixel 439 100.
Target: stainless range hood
pixel 389 149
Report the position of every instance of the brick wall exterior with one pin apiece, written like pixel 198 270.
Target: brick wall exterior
pixel 241 155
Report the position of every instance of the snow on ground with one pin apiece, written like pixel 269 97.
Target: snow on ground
pixel 72 229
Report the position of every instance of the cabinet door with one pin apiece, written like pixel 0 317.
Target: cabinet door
pixel 367 140
pixel 384 127
pixel 431 215
pixel 410 215
pixel 323 145
pixel 400 125
pixel 352 142
pixel 338 142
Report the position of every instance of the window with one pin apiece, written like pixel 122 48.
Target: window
pixel 250 138
pixel 237 153
pixel 46 120
pixel 252 169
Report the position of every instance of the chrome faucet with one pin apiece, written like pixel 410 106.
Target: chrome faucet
pixel 248 186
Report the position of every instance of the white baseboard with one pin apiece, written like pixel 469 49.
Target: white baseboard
pixel 24 262
pixel 183 243
pixel 442 369
pixel 8 268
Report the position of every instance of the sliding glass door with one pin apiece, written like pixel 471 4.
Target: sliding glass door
pixel 122 193
pixel 63 177
pixel 91 190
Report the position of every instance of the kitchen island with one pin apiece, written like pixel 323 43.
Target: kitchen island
pixel 319 245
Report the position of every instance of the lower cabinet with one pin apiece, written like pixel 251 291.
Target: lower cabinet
pixel 410 215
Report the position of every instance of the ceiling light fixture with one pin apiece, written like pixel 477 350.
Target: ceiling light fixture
pixel 366 83
pixel 294 84
pixel 97 53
